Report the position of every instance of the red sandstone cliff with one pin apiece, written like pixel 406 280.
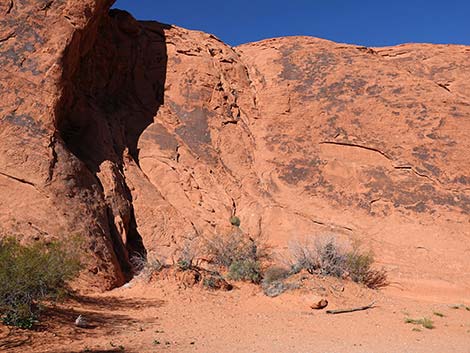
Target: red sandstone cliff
pixel 136 135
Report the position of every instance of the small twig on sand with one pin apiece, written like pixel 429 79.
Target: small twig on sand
pixel 341 311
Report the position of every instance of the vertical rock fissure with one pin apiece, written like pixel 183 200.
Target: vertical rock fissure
pixel 110 100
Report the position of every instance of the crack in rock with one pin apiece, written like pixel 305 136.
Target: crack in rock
pixel 10 7
pixel 8 36
pixel 53 161
pixel 23 181
pixel 357 146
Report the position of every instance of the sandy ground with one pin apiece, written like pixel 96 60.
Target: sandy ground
pixel 161 317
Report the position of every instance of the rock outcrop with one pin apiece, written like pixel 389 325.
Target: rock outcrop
pixel 137 135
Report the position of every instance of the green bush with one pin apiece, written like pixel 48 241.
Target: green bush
pixel 240 254
pixel 235 221
pixel 360 270
pixel 30 274
pixel 184 264
pixel 210 282
pixel 245 270
pixel 359 265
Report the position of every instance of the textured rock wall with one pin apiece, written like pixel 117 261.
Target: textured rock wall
pixel 49 191
pixel 137 135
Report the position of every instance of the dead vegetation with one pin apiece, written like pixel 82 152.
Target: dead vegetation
pixel 326 257
pixel 424 322
pixel 236 256
pixel 350 310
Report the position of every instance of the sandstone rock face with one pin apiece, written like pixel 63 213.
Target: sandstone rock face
pixel 137 135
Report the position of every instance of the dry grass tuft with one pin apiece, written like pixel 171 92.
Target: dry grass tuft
pixel 425 322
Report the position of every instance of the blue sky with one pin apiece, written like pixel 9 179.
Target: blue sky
pixel 365 22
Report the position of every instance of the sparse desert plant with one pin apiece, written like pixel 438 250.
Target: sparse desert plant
pixel 359 266
pixel 138 262
pixel 273 289
pixel 187 254
pixel 425 322
pixel 154 263
pixel 303 257
pixel 245 270
pixel 210 282
pixel 30 274
pixel 274 274
pixel 236 247
pixel 146 265
pixel 438 314
pixel 321 257
pixel 214 281
pixel 275 282
pixel 332 259
pixel 235 221
pixel 327 258
pixel 184 265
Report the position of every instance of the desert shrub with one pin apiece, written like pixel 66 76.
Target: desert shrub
pixel 275 273
pixel 236 247
pixel 328 259
pixel 245 270
pixel 273 282
pixel 30 274
pixel 235 221
pixel 187 254
pixel 138 262
pixel 273 289
pixel 214 281
pixel 154 264
pixel 146 265
pixel 359 266
pixel 184 264
pixel 324 258
pixel 303 257
pixel 210 282
pixel 240 254
pixel 332 260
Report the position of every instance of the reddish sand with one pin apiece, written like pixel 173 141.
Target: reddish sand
pixel 162 317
